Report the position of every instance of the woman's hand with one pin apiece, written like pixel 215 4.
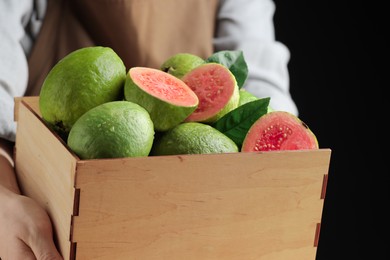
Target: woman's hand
pixel 25 229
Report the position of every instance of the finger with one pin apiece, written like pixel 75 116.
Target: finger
pixel 45 249
pixel 39 236
pixel 20 251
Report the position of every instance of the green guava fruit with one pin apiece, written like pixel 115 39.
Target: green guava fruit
pixel 83 79
pixel 279 130
pixel 112 130
pixel 181 63
pixel 216 89
pixel 246 97
pixel 167 99
pixel 193 138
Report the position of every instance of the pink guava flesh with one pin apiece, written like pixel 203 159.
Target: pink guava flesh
pixel 163 86
pixel 214 86
pixel 279 130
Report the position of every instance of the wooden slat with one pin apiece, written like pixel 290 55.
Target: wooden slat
pixel 45 171
pixel 228 206
pixel 33 104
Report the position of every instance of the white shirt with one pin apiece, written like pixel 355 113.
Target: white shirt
pixel 245 25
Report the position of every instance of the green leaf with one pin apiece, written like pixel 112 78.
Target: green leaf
pixel 237 122
pixel 234 61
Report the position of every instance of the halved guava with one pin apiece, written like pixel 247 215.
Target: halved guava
pixel 167 99
pixel 217 90
pixel 279 130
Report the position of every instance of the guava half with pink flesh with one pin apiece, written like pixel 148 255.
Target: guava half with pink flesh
pixel 217 90
pixel 168 100
pixel 279 130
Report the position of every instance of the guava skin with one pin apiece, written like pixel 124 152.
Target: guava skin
pixel 114 129
pixel 193 138
pixel 80 81
pixel 181 63
pixel 246 97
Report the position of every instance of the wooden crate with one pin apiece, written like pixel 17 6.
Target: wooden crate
pixel 217 206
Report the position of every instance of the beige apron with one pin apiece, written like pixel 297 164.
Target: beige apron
pixel 142 32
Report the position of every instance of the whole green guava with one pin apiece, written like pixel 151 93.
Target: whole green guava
pixel 114 129
pixel 83 79
pixel 181 63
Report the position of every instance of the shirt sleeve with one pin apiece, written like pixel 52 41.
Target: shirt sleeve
pixel 17 28
pixel 247 25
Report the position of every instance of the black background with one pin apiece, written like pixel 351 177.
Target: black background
pixel 327 46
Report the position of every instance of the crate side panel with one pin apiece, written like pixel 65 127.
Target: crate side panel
pixel 227 206
pixel 45 171
pixel 32 102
